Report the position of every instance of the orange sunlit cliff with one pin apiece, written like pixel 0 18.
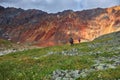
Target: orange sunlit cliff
pixel 43 29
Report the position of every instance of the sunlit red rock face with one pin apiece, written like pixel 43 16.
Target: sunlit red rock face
pixel 43 29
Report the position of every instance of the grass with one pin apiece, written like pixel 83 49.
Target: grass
pixel 33 65
pixel 24 65
pixel 5 43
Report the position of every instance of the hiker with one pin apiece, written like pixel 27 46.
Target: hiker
pixel 71 41
pixel 79 39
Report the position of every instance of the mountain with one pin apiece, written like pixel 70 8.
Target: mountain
pixel 95 60
pixel 47 29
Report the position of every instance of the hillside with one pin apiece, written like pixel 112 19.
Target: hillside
pixel 7 47
pixel 47 29
pixel 95 60
pixel 5 44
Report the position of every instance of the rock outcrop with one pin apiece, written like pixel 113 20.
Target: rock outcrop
pixel 43 29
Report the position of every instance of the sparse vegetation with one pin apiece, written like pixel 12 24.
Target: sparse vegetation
pixel 5 43
pixel 39 64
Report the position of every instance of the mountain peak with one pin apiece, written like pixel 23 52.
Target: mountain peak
pixel 43 29
pixel 1 8
pixel 116 7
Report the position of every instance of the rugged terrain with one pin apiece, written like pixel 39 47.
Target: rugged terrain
pixel 7 47
pixel 46 29
pixel 95 60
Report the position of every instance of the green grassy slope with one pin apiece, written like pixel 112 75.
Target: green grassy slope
pixel 39 64
pixel 5 44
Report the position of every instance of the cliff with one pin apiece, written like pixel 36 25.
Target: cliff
pixel 43 29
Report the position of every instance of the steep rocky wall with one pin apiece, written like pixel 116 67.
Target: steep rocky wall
pixel 43 29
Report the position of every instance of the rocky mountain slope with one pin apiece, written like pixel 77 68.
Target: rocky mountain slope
pixel 43 29
pixel 95 60
pixel 7 47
